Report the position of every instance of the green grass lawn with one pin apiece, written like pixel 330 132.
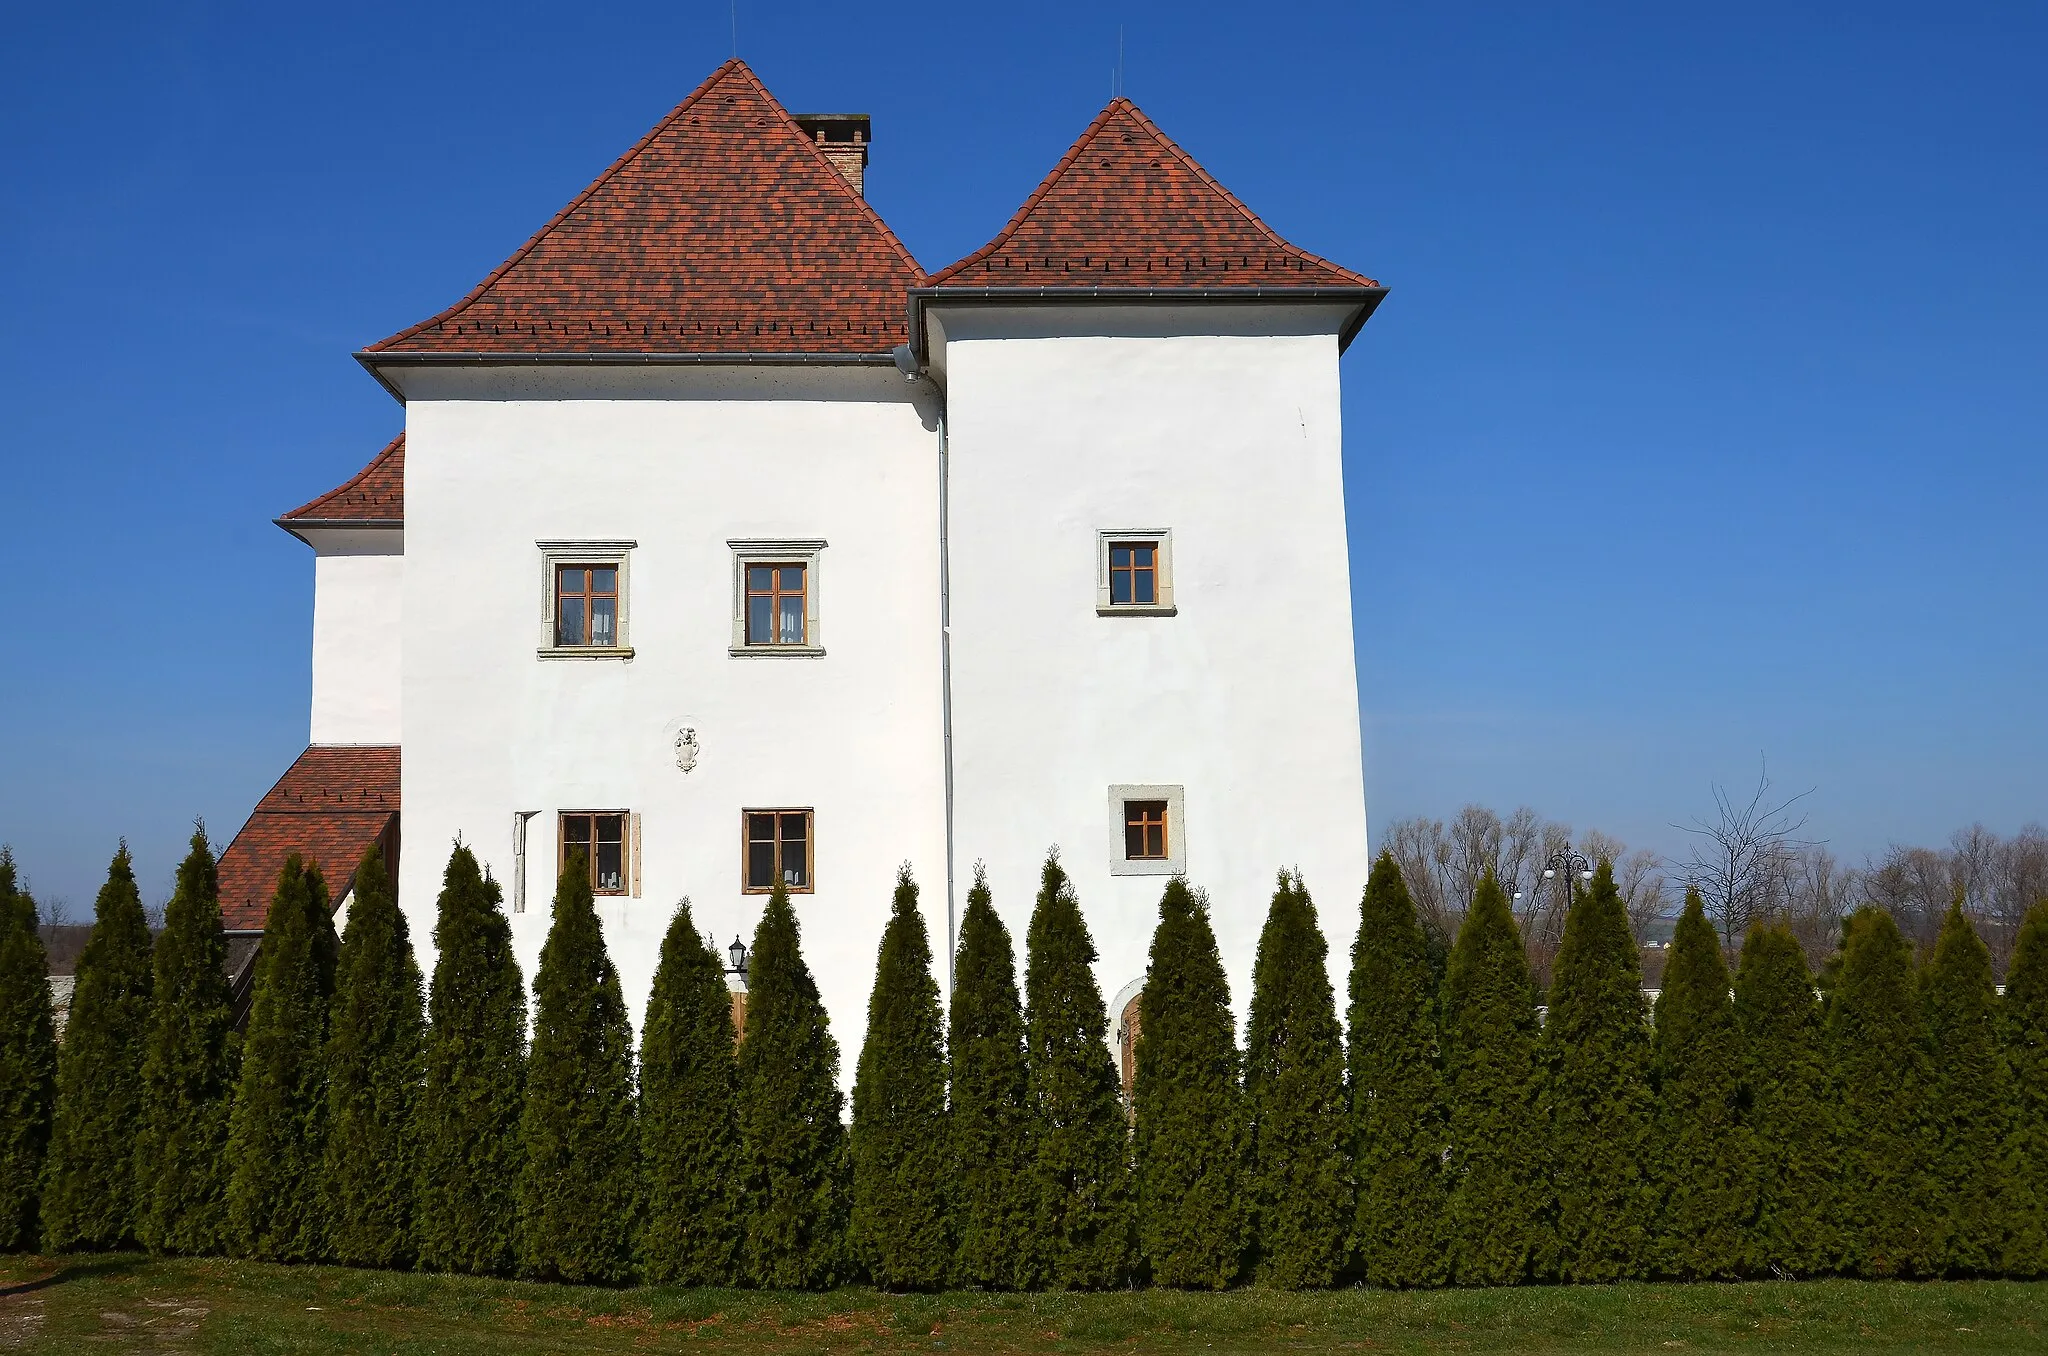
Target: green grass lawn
pixel 128 1303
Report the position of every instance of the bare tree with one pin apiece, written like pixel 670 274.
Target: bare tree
pixel 1422 850
pixel 1638 875
pixel 1816 893
pixel 1738 861
pixel 1914 885
pixel 1999 880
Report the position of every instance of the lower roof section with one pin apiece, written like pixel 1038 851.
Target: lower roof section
pixel 332 803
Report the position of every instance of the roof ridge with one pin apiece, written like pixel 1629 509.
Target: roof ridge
pixel 1016 220
pixel 396 445
pixel 860 199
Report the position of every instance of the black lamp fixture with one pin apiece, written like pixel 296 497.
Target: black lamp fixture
pixel 1569 860
pixel 738 954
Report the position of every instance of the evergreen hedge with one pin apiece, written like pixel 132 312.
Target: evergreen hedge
pixel 1790 1117
pixel 1705 1159
pixel 1968 1104
pixel 1399 1129
pixel 987 1120
pixel 902 1216
pixel 793 1144
pixel 277 1130
pixel 1083 1235
pixel 2024 1010
pixel 28 1061
pixel 1294 1093
pixel 1190 1109
pixel 1877 1054
pixel 1489 1052
pixel 689 1117
pixel 89 1181
pixel 375 1053
pixel 188 1071
pixel 579 1167
pixel 467 1146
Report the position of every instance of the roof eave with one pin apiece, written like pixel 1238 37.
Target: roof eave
pixel 375 361
pixel 298 527
pixel 1363 299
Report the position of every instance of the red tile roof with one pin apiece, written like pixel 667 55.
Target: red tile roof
pixel 1127 208
pixel 725 230
pixel 375 494
pixel 330 805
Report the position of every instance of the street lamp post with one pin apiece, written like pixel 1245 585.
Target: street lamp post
pixel 1571 862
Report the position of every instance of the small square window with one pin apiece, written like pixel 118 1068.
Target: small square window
pixel 1145 831
pixel 775 603
pixel 602 841
pixel 775 599
pixel 1134 573
pixel 587 605
pixel 775 846
pixel 583 600
pixel 1148 825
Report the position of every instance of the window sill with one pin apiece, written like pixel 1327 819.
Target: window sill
pixel 1135 610
pixel 585 652
pixel 776 652
pixel 1145 866
pixel 787 889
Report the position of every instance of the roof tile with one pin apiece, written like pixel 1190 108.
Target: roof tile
pixel 375 494
pixel 330 805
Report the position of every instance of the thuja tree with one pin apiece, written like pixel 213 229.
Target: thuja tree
pixel 1397 1095
pixel 579 1179
pixel 1790 1116
pixel 1192 1221
pixel 1083 1233
pixel 89 1183
pixel 1597 1108
pixel 28 1061
pixel 1875 1049
pixel 1704 1156
pixel 188 1070
pixel 689 1116
pixel 376 1033
pixel 792 1144
pixel 2026 1051
pixel 901 1217
pixel 1489 1051
pixel 277 1132
pixel 467 1145
pixel 1968 1104
pixel 1294 1091
pixel 987 1125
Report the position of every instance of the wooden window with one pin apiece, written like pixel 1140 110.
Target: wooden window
pixel 587 605
pixel 776 846
pixel 600 835
pixel 1145 831
pixel 775 603
pixel 1133 573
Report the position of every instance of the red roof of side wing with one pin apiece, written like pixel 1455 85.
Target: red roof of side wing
pixel 725 230
pixel 375 495
pixel 330 805
pixel 1126 208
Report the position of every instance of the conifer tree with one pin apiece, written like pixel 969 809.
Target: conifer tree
pixel 689 1117
pixel 1191 1123
pixel 28 1061
pixel 1968 1104
pixel 987 1120
pixel 792 1142
pixel 1790 1116
pixel 376 1035
pixel 2025 1030
pixel 188 1071
pixel 1489 1044
pixel 1399 1129
pixel 579 1182
pixel 901 1215
pixel 1704 1157
pixel 1598 1110
pixel 277 1130
pixel 1084 1235
pixel 467 1147
pixel 89 1182
pixel 1294 1093
pixel 1876 1051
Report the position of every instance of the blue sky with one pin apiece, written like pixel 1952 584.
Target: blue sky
pixel 1705 418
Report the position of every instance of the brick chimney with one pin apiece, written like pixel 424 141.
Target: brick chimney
pixel 843 137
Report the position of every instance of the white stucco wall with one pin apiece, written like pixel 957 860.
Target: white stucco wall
pixel 1069 421
pixel 679 460
pixel 358 594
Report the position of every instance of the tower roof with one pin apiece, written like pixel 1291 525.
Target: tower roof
pixel 725 230
pixel 1127 208
pixel 374 495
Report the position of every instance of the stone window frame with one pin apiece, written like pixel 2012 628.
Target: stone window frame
pixel 1175 862
pixel 616 555
pixel 807 552
pixel 1164 605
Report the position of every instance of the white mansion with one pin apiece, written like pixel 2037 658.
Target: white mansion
pixel 724 539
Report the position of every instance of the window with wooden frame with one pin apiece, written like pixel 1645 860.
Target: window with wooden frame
pixel 776 594
pixel 776 846
pixel 1145 831
pixel 605 839
pixel 587 605
pixel 1148 829
pixel 775 599
pixel 584 607
pixel 1134 572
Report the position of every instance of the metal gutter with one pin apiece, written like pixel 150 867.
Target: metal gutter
pixel 1365 299
pixel 373 362
pixel 292 525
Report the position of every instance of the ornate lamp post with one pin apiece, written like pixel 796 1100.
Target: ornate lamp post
pixel 1572 863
